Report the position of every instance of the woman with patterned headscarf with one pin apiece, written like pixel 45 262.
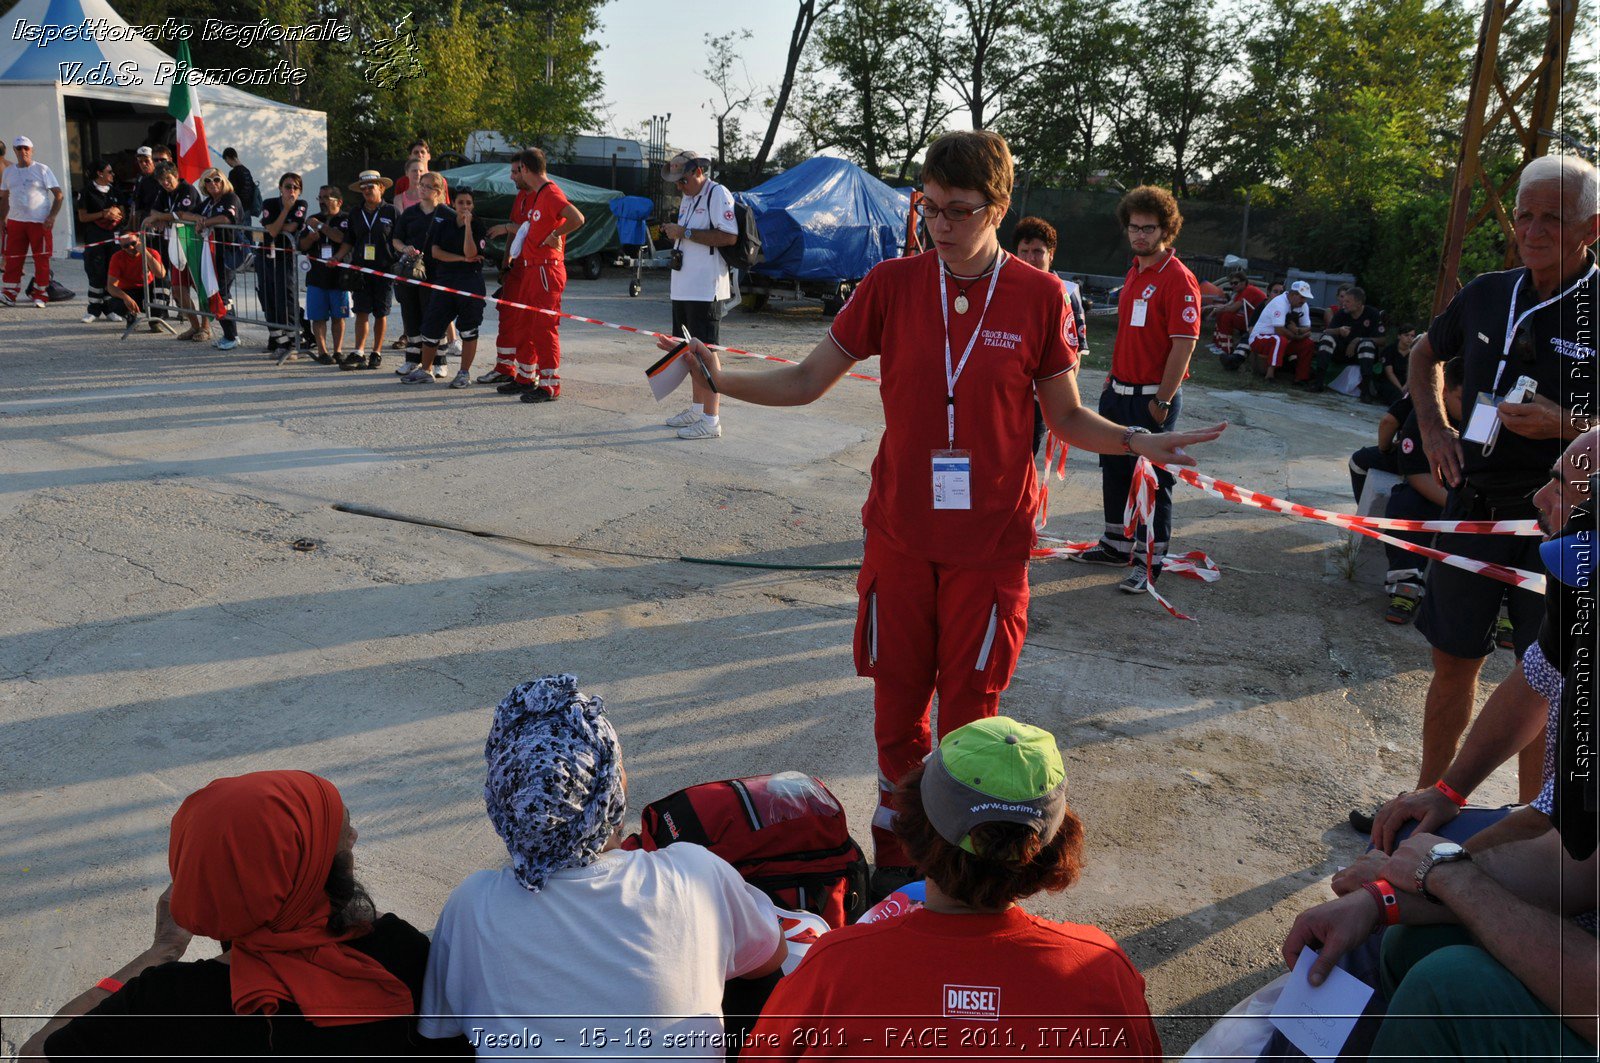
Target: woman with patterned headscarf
pixel 263 864
pixel 577 926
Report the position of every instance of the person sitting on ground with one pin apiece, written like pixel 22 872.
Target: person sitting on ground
pixel 1394 363
pixel 1418 496
pixel 1517 974
pixel 986 820
pixel 577 926
pixel 262 863
pixel 1233 319
pixel 327 292
pixel 1283 331
pixel 1351 336
pixel 1384 456
pixel 457 247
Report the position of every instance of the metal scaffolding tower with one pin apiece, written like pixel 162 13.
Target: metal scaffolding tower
pixel 1529 110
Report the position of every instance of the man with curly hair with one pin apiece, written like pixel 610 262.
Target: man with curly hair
pixel 1158 324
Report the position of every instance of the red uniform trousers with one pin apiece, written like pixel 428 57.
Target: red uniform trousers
pixel 513 321
pixel 922 627
pixel 1279 349
pixel 21 237
pixel 1229 323
pixel 539 346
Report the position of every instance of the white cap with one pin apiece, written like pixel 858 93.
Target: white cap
pixel 145 151
pixel 1301 288
pixel 22 142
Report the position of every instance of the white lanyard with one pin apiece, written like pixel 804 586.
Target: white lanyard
pixel 1514 320
pixel 369 222
pixel 685 219
pixel 953 375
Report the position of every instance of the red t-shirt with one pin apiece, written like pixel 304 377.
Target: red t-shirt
pixel 542 211
pixel 1027 336
pixel 1252 297
pixel 959 986
pixel 1172 310
pixel 129 270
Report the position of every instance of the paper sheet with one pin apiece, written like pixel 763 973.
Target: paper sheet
pixel 668 372
pixel 1319 1019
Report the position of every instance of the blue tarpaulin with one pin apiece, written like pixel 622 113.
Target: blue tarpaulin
pixel 826 220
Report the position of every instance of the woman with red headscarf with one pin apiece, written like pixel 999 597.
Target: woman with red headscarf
pixel 263 864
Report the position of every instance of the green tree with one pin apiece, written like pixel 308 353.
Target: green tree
pixel 983 54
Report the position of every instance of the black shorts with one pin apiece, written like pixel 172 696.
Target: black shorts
pixel 704 320
pixel 372 295
pixel 445 307
pixel 1460 608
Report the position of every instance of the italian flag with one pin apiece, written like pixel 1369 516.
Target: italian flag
pixel 193 156
pixel 196 254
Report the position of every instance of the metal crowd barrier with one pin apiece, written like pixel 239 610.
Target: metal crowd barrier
pixel 260 284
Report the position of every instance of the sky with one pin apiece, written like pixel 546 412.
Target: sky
pixel 651 53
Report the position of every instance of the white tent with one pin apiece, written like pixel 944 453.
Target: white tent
pixel 70 122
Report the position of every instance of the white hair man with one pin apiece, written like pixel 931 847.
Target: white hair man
pixel 1537 321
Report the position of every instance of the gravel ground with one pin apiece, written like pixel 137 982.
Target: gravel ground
pixel 161 630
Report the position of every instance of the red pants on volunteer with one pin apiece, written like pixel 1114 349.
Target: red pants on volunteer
pixel 528 344
pixel 1230 323
pixel 1277 350
pixel 23 237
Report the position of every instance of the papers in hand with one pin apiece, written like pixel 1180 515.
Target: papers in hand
pixel 668 372
pixel 1318 1019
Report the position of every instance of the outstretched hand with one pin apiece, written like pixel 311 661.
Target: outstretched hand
pixel 1169 448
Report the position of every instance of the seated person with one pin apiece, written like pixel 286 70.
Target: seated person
pixel 1492 950
pixel 1384 456
pixel 262 863
pixel 577 926
pixel 1394 362
pixel 130 275
pixel 1283 331
pixel 985 818
pixel 1233 317
pixel 1418 496
pixel 1351 336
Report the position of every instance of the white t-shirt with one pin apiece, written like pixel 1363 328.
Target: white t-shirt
pixel 638 943
pixel 30 191
pixel 1276 314
pixel 704 276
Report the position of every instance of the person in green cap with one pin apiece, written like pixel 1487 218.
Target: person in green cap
pixel 985 818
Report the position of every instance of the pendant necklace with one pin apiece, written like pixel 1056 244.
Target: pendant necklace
pixel 961 305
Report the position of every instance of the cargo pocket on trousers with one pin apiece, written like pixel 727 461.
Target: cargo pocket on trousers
pixel 1002 637
pixel 866 637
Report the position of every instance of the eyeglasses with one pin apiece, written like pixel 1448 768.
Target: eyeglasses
pixel 1143 230
pixel 212 181
pixel 955 214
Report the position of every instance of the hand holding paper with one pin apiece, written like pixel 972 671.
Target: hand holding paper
pixel 1318 1019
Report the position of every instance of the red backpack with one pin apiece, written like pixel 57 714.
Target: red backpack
pixel 785 833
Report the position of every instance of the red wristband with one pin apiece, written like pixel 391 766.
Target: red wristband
pixel 1388 901
pixel 1450 792
pixel 110 985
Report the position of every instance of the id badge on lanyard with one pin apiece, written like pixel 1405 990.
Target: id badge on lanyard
pixel 952 468
pixel 952 479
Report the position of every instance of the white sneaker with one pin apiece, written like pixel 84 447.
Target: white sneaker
pixel 405 370
pixel 701 429
pixel 40 301
pixel 453 348
pixel 440 370
pixel 684 419
pixel 89 319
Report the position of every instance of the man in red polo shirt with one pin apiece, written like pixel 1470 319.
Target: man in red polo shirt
pixel 130 272
pixel 1234 317
pixel 963 336
pixel 1158 323
pixel 528 344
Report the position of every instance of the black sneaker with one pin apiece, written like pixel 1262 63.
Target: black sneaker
pixel 322 358
pixel 1505 635
pixel 353 360
pixel 885 880
pixel 374 361
pixel 1360 822
pixel 539 395
pixel 512 387
pixel 1403 603
pixel 1101 554
pixel 1137 582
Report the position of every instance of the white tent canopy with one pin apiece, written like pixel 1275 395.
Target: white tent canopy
pixel 65 121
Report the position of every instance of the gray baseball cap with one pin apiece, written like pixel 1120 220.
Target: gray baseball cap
pixel 682 163
pixel 995 770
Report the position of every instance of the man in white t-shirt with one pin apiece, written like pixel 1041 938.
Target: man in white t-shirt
pixel 30 199
pixel 581 948
pixel 699 276
pixel 1283 331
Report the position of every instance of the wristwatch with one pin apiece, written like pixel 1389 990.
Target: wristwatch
pixel 1128 434
pixel 1441 853
pixel 1162 403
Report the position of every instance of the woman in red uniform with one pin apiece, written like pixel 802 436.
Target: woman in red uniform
pixel 963 336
